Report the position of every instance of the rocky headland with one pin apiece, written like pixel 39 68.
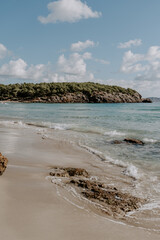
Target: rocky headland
pixel 69 93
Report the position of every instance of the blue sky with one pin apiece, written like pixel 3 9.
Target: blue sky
pixel 115 42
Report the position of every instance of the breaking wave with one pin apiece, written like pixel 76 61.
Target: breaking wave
pixel 130 170
pixel 114 133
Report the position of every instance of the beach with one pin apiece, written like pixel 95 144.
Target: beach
pixel 31 206
pixel 79 120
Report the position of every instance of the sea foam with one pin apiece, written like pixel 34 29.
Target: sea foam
pixel 132 171
pixel 114 133
pixel 148 140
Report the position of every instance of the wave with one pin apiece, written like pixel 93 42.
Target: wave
pixel 150 140
pixel 114 133
pixel 4 103
pixel 12 123
pixel 61 127
pixel 130 170
pixel 93 151
pixel 19 123
pixel 57 126
pixel 150 206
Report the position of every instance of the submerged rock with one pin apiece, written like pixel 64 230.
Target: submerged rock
pixel 3 164
pixel 117 142
pixel 133 141
pixel 109 199
pixel 129 141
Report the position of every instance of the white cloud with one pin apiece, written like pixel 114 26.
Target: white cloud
pixel 19 69
pixel 102 61
pixel 131 43
pixel 131 63
pixel 73 68
pixel 87 55
pixel 80 46
pixel 68 11
pixel 153 53
pixel 14 68
pixel 3 51
pixel 75 64
pixel 147 68
pixel 148 63
pixel 131 58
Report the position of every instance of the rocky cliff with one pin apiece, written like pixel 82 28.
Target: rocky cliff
pixel 95 97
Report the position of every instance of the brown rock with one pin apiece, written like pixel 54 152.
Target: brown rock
pixel 76 172
pixel 117 201
pixel 117 142
pixel 110 200
pixel 93 97
pixel 146 100
pixel 3 163
pixel 69 172
pixel 133 141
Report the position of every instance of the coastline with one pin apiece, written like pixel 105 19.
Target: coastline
pixel 31 207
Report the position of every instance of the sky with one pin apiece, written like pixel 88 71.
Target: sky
pixel 115 42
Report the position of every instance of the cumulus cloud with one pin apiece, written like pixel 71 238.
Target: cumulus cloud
pixel 131 43
pixel 80 46
pixel 14 68
pixel 75 64
pixel 141 62
pixel 153 53
pixel 147 69
pixel 68 11
pixel 131 62
pixel 19 69
pixel 3 51
pixel 73 68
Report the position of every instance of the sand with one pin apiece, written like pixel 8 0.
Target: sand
pixel 30 207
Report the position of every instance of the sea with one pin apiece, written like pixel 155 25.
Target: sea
pixel 95 127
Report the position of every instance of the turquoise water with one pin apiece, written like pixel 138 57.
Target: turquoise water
pixel 95 127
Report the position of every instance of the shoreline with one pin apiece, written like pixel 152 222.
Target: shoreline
pixel 144 100
pixel 40 211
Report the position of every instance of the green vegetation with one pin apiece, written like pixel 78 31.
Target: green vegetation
pixel 31 91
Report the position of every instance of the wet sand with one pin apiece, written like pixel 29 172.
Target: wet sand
pixel 30 206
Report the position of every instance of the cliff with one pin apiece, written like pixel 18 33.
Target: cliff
pixel 95 97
